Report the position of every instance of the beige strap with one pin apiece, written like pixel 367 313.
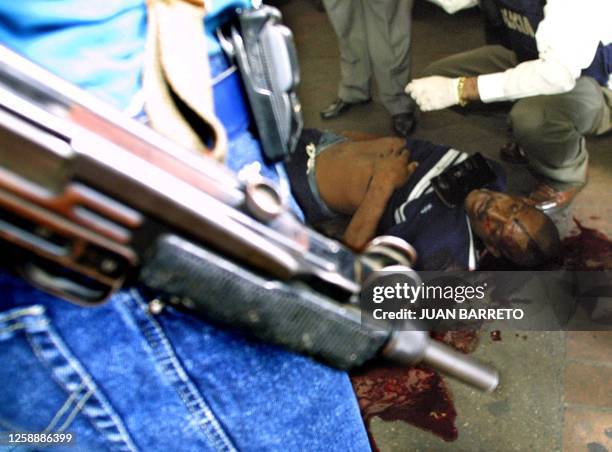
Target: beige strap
pixel 176 77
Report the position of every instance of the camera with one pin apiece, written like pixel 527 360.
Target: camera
pixel 453 185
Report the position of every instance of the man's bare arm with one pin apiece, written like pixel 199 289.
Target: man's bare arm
pixel 391 170
pixel 362 227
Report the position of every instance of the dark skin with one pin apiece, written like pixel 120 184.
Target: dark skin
pixel 470 89
pixel 503 222
pixel 358 178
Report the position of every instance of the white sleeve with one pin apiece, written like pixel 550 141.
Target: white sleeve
pixel 567 39
pixel 452 6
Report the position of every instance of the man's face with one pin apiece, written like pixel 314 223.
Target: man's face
pixel 502 221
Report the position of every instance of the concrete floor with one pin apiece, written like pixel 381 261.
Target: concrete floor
pixel 556 391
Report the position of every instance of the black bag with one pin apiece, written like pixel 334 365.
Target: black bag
pixel 454 184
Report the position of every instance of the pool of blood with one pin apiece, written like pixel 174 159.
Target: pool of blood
pixel 589 249
pixel 464 341
pixel 418 395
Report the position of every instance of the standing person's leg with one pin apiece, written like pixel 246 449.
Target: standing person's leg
pixel 388 30
pixel 551 131
pixel 388 24
pixel 347 19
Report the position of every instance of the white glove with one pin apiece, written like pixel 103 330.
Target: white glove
pixel 434 93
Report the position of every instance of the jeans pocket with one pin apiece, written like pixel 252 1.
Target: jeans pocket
pixel 44 388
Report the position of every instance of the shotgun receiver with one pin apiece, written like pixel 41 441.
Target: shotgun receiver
pixel 91 200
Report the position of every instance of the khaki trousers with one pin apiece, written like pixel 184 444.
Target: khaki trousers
pixel 550 129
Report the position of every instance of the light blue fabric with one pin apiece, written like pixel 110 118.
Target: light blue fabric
pixel 119 376
pixel 327 139
pixel 97 44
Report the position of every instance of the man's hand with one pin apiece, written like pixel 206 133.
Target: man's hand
pixel 434 93
pixel 392 168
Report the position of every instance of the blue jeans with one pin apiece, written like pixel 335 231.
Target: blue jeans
pixel 125 377
pixel 121 377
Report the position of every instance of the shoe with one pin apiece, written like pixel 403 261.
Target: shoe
pixel 403 123
pixel 511 152
pixel 550 200
pixel 338 107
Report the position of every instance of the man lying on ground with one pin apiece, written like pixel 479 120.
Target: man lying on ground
pixel 384 184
